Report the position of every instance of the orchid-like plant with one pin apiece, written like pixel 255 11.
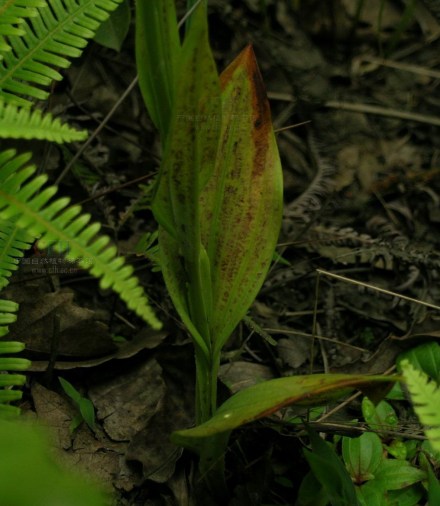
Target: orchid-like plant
pixel 219 207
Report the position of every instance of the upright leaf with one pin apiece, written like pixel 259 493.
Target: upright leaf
pixel 188 163
pixel 242 202
pixel 157 54
pixel 330 472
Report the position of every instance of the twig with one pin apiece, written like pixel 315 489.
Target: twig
pixel 382 111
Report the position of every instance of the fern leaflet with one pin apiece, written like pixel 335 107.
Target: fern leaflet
pixel 13 241
pixel 8 311
pixel 23 198
pixel 425 395
pixel 12 13
pixel 58 33
pixel 22 123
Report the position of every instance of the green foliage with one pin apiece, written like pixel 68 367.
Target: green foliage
pixel 8 310
pixel 24 199
pixel 30 477
pixel 86 410
pixel 425 357
pixel 21 123
pixel 49 39
pixel 362 456
pixel 425 395
pixel 330 472
pixel 13 242
pixel 37 38
pixel 433 488
pixel 12 15
pixel 262 400
pixel 112 32
pixel 380 416
pixel 157 55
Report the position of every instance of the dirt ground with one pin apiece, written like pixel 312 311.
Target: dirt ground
pixel 355 99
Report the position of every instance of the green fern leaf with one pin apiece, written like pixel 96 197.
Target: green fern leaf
pixel 12 14
pixel 50 40
pixel 22 123
pixel 13 242
pixel 24 199
pixel 425 395
pixel 8 310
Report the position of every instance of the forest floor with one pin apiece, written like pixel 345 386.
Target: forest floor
pixel 362 193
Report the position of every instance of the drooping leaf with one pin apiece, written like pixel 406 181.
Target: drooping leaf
pixel 112 32
pixel 266 398
pixel 242 202
pixel 157 55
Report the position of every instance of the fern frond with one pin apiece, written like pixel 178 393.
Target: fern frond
pixel 22 123
pixel 13 242
pixel 8 310
pixel 23 198
pixel 12 14
pixel 425 395
pixel 50 40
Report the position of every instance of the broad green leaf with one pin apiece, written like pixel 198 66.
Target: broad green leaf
pixel 30 477
pixel 371 494
pixel 425 395
pixel 330 472
pixel 425 357
pixel 381 416
pixel 362 456
pixel 242 202
pixel 157 54
pixel 409 496
pixel 266 398
pixel 396 474
pixel 113 31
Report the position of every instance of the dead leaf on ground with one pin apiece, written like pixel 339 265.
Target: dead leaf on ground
pixel 127 402
pixel 80 333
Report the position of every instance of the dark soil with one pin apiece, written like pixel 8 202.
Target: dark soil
pixel 362 193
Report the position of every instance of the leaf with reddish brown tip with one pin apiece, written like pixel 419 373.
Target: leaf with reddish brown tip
pixel 266 398
pixel 241 205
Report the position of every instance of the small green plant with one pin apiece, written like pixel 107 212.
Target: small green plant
pixel 86 410
pixel 384 468
pixel 218 203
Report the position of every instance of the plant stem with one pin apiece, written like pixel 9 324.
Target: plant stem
pixel 203 387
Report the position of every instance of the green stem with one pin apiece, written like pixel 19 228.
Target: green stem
pixel 203 387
